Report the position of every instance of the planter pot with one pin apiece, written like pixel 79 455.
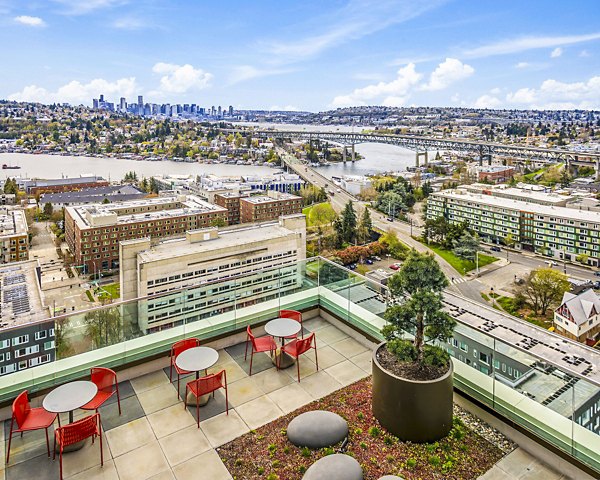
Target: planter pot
pixel 412 410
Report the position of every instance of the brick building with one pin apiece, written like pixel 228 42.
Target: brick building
pixel 230 201
pixel 93 232
pixel 262 208
pixel 495 174
pixel 34 187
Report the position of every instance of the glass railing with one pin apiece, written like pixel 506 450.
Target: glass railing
pixel 555 403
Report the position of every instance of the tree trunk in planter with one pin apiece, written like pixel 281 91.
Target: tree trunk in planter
pixel 412 410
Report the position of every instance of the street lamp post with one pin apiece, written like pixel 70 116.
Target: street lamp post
pixel 477 263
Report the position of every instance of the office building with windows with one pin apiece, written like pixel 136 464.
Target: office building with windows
pixel 269 253
pixel 26 337
pixel 14 233
pixel 547 229
pixel 93 232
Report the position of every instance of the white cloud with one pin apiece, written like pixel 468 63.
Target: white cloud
pixel 243 73
pixel 449 71
pixel 553 94
pixel 584 54
pixel 394 93
pixel 82 7
pixel 76 92
pixel 522 44
pixel 495 91
pixel 357 19
pixel 557 52
pixel 30 21
pixel 286 108
pixel 488 101
pixel 130 23
pixel 181 78
pixel 522 65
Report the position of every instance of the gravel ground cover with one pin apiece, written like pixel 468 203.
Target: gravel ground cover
pixel 470 450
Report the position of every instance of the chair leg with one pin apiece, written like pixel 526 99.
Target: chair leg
pixel 47 442
pixel 101 453
pixel 171 371
pixel 246 354
pixel 178 394
pixel 60 463
pixel 316 358
pixel 298 365
pixel 198 410
pixel 226 401
pixel 251 357
pixel 10 438
pixel 118 397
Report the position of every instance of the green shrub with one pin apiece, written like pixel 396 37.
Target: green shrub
pixel 363 445
pixel 305 452
pixel 411 463
pixel 435 356
pixel 261 470
pixel 301 469
pixel 374 432
pixel 272 476
pixel 404 350
pixel 435 460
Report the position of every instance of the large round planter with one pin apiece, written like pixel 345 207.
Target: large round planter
pixel 412 410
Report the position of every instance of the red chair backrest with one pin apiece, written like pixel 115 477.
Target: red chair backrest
pixel 251 335
pixel 21 408
pixel 77 431
pixel 293 314
pixel 305 344
pixel 183 345
pixel 104 378
pixel 210 383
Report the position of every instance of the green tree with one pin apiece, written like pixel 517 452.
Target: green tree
pixel 544 287
pixel 10 186
pixel 48 210
pixel 394 246
pixel 321 215
pixel 218 222
pixel 104 327
pixel 365 225
pixel 419 282
pixel 346 224
pixel 465 246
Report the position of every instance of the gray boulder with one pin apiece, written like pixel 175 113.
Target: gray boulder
pixel 317 429
pixel 334 467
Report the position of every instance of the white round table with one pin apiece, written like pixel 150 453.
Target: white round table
pixel 283 328
pixel 69 397
pixel 196 359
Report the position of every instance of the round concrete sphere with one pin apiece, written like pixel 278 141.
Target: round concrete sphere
pixel 390 477
pixel 317 429
pixel 334 467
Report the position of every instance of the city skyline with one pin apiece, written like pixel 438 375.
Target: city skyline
pixel 396 53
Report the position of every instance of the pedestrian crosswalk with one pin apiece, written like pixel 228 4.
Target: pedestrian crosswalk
pixel 458 279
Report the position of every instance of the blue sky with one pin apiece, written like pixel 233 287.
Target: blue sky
pixel 309 55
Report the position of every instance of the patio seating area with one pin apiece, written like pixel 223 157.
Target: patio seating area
pixel 155 437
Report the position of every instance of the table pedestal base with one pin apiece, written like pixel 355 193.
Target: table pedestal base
pixel 191 400
pixel 285 362
pixel 72 448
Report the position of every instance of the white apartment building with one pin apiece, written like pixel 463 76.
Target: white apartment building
pixel 266 254
pixel 550 230
pixel 14 233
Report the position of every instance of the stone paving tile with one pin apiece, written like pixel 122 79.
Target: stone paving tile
pixel 107 472
pixel 320 384
pixel 142 463
pixel 290 397
pixel 40 467
pixel 496 473
pixel 346 372
pixel 208 463
pixel 327 356
pixel 348 347
pixel 315 324
pixel 364 361
pixel 537 471
pixel 214 407
pixel 261 362
pixel 328 335
pixel 166 475
pixel 223 428
pixel 125 391
pixel 243 391
pixel 307 367
pixel 272 379
pixel 184 444
pixel 31 445
pixel 149 381
pixel 86 458
pixel 130 410
pixel 516 462
pixel 234 371
pixel 130 436
pixel 170 420
pixel 158 398
pixel 237 351
pixel 258 412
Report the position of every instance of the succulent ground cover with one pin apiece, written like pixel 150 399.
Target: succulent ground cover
pixel 266 454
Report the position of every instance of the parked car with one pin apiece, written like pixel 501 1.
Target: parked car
pixel 352 266
pixel 390 219
pixel 378 259
pixel 551 263
pixel 496 249
pixel 395 266
pixel 338 190
pixel 597 273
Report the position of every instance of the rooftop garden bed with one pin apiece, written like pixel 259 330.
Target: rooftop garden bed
pixel 266 453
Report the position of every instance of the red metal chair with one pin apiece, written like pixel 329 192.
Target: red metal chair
pixel 297 347
pixel 28 419
pixel 106 381
pixel 176 349
pixel 77 432
pixel 204 385
pixel 260 344
pixel 294 315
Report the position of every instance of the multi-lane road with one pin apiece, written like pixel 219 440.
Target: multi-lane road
pixel 470 286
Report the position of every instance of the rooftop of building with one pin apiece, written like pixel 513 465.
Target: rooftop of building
pixel 12 222
pixel 115 193
pixel 21 296
pixel 194 242
pixel 279 196
pixel 494 168
pixel 99 214
pixel 520 205
pixel 582 306
pixel 526 195
pixel 61 181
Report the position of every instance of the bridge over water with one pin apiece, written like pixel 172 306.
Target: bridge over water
pixel 421 144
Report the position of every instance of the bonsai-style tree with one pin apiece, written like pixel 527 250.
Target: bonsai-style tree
pixel 419 283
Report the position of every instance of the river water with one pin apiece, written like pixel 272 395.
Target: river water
pixel 377 158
